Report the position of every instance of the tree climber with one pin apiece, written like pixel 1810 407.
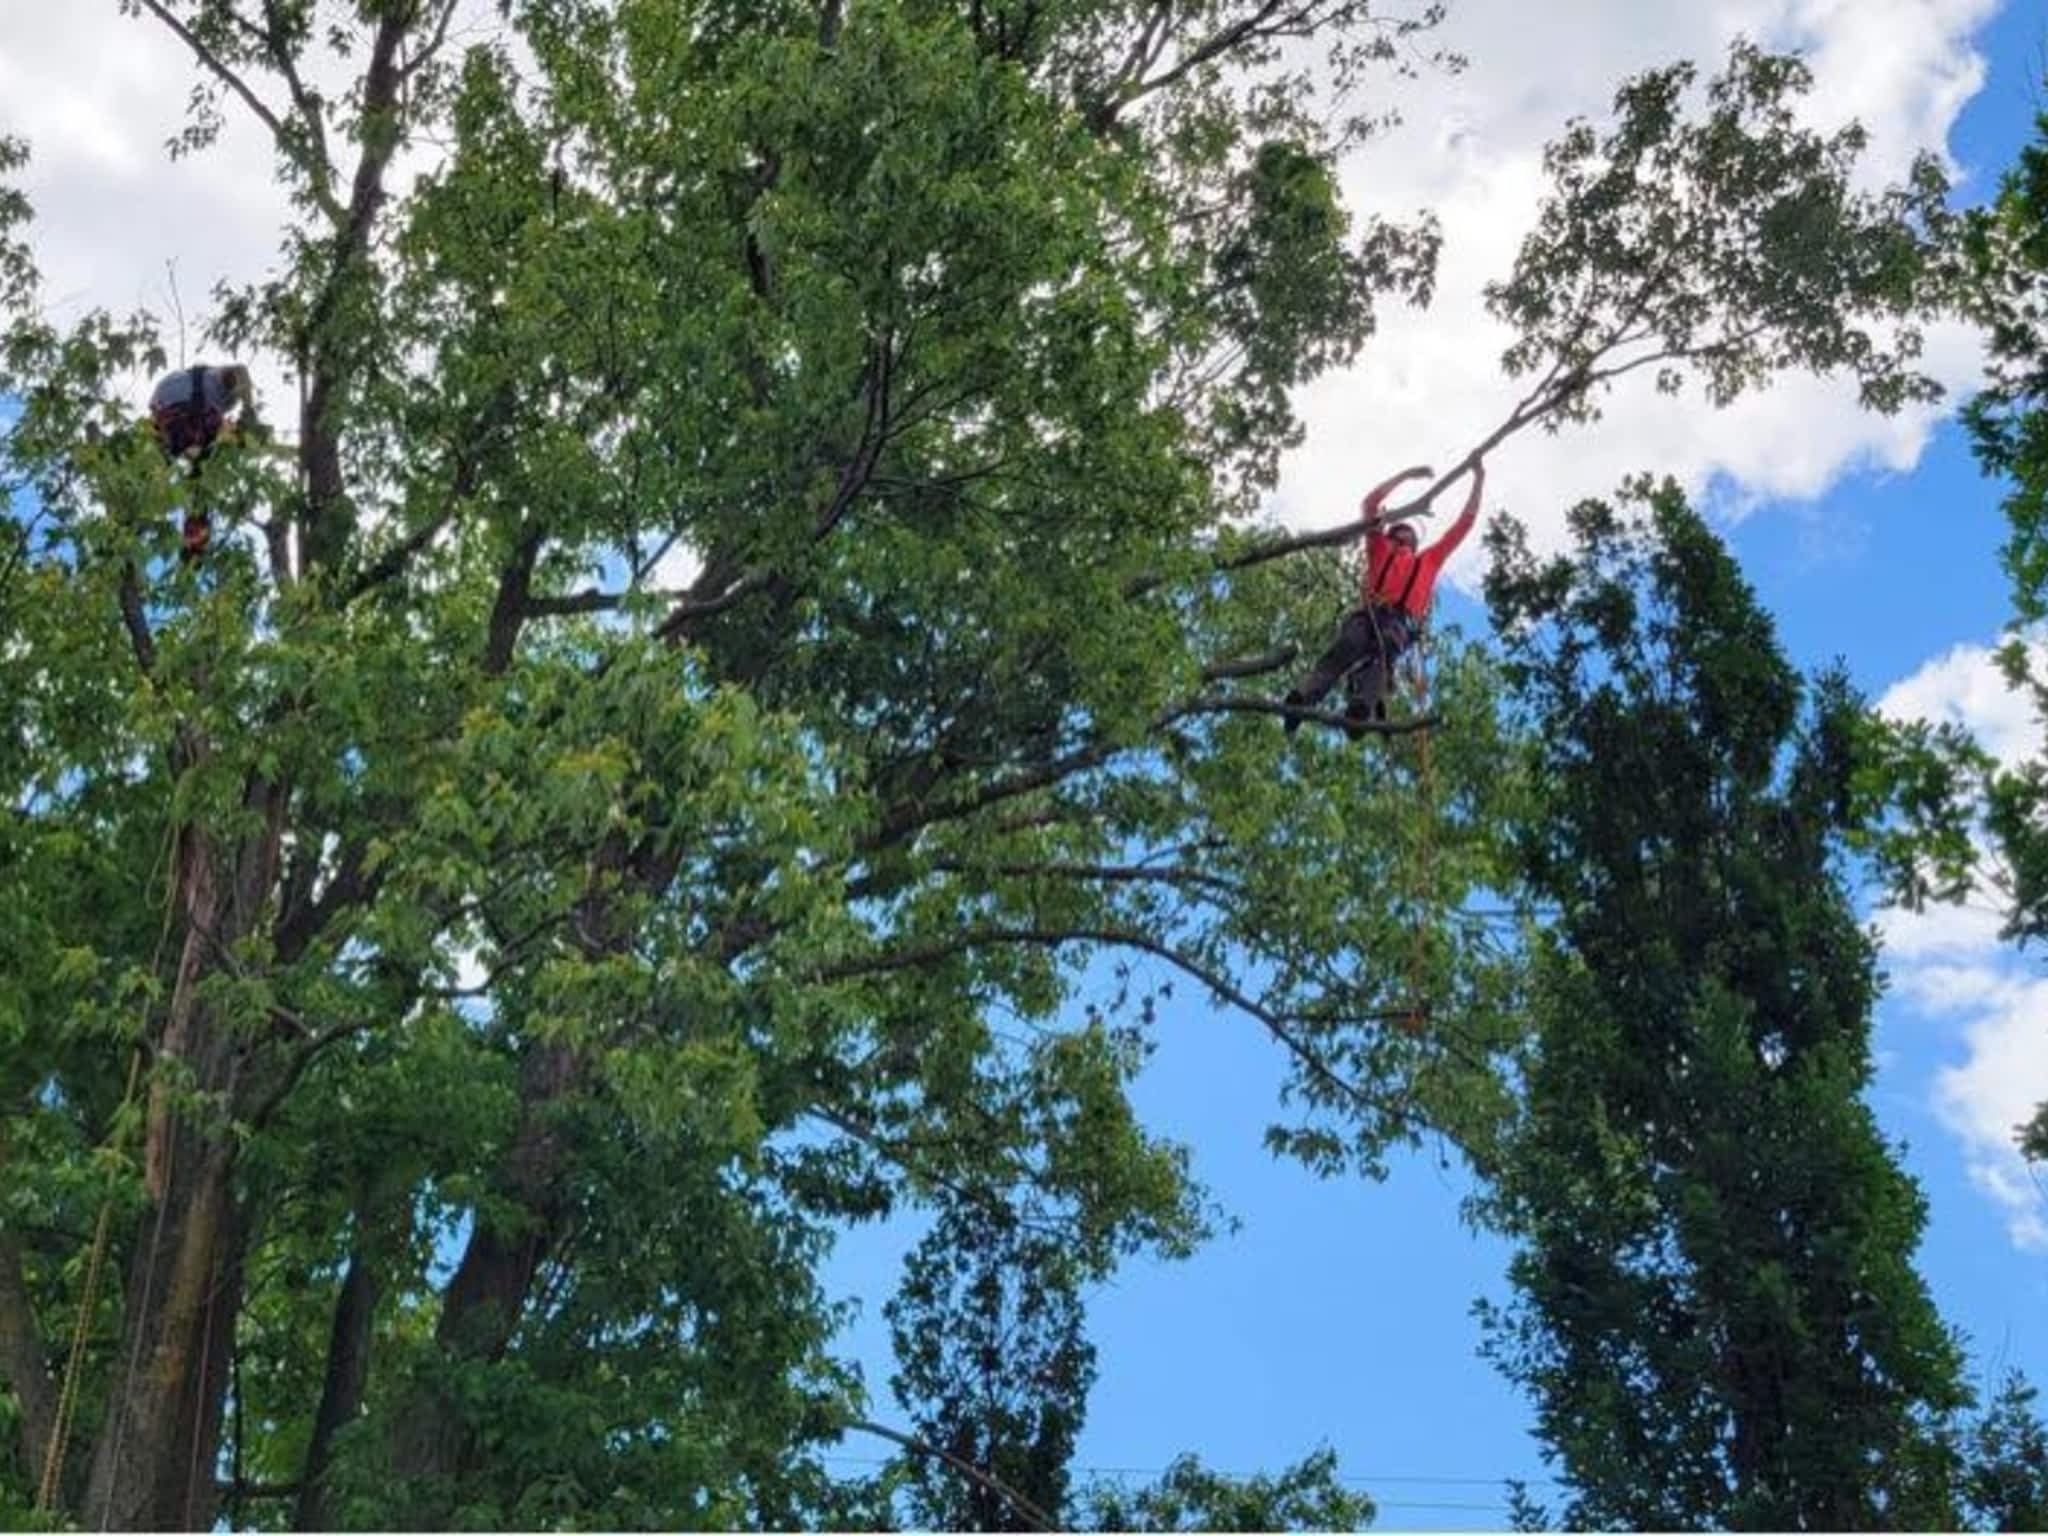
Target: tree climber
pixel 188 413
pixel 1395 584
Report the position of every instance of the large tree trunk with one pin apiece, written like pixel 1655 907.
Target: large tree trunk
pixel 153 1467
pixel 489 1290
pixel 379 1237
pixel 341 1393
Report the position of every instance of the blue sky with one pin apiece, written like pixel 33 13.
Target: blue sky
pixel 1340 1312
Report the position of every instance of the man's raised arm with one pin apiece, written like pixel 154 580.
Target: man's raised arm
pixel 1455 534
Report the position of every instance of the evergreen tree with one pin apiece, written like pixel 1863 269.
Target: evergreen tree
pixel 1716 1310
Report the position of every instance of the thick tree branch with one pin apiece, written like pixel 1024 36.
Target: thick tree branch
pixel 310 157
pixel 690 609
pixel 508 613
pixel 909 818
pixel 590 600
pixel 1279 1025
pixel 1250 666
pixel 136 621
pixel 302 916
pixel 346 1379
pixel 1040 1520
pixel 1223 704
pixel 319 433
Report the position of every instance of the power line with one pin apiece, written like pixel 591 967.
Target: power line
pixel 1356 1479
pixel 1482 1509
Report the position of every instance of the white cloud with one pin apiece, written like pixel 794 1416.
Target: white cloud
pixel 1429 384
pixel 1939 933
pixel 98 93
pixel 1952 966
pixel 1965 687
pixel 1895 65
pixel 119 224
pixel 1999 1010
pixel 1996 1089
pixel 677 569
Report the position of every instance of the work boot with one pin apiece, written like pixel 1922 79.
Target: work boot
pixel 1357 710
pixel 1295 699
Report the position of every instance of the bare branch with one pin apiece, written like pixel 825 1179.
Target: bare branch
pixel 903 1155
pixel 318 164
pixel 395 559
pixel 315 165
pixel 908 819
pixel 1133 86
pixel 571 603
pixel 426 55
pixel 216 66
pixel 314 1042
pixel 874 435
pixel 462 485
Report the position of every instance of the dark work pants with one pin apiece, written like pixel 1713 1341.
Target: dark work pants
pixel 1368 643
pixel 188 431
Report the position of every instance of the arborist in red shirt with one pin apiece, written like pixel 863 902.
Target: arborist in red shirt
pixel 1395 584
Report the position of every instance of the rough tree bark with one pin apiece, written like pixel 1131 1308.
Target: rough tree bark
pixel 348 1360
pixel 154 1463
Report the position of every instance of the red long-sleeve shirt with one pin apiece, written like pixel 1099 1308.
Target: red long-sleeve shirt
pixel 1394 577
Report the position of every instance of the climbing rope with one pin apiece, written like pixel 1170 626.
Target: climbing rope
pixel 1424 823
pixel 67 1395
pixel 74 1364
